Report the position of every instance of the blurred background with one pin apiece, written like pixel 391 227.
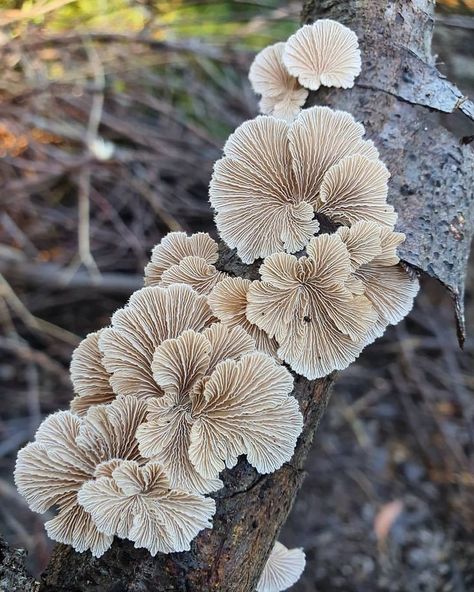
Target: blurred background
pixel 112 115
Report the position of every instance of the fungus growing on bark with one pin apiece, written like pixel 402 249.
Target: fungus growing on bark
pixel 68 451
pixel 173 248
pixel 388 286
pixel 195 272
pixel 282 95
pixel 221 399
pixel 355 189
pixel 89 378
pixel 282 569
pixel 228 302
pixel 136 502
pixel 273 179
pixel 151 316
pixel 324 53
pixel 306 304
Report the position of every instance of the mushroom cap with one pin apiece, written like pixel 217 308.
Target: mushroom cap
pixel 152 315
pixel 282 569
pixel 282 95
pixel 90 379
pixel 356 188
pixel 67 452
pixel 285 106
pixel 221 399
pixel 307 305
pixel 195 272
pixel 267 187
pixel 388 286
pixel 324 53
pixel 268 75
pixel 137 503
pixel 180 366
pixel 173 248
pixel 228 301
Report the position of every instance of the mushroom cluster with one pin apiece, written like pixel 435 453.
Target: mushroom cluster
pixel 196 370
pixel 166 398
pixel 325 53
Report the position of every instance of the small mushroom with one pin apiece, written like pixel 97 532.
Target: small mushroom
pixel 195 272
pixel 221 399
pixel 68 451
pixel 173 248
pixel 137 503
pixel 324 53
pixel 151 316
pixel 228 301
pixel 388 286
pixel 282 95
pixel 269 185
pixel 282 569
pixel 306 304
pixel 90 379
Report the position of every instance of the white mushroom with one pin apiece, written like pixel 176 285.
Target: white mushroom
pixel 222 399
pixel 324 53
pixel 152 315
pixel 90 379
pixel 282 569
pixel 228 301
pixel 306 304
pixel 272 181
pixel 388 286
pixel 67 452
pixel 282 95
pixel 137 503
pixel 173 248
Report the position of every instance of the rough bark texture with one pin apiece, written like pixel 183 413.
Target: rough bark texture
pixel 431 188
pixel 251 509
pixel 13 575
pixel 398 96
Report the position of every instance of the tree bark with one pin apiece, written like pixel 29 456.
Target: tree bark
pixel 431 188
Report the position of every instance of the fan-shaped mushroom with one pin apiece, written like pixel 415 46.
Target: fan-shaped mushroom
pixel 324 53
pixel 222 399
pixel 274 177
pixel 282 95
pixel 282 569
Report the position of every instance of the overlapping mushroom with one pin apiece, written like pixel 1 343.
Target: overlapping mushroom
pixel 325 53
pixel 91 469
pixel 278 183
pixel 282 95
pixel 182 259
pixel 166 398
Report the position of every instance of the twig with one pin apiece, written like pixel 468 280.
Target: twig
pixel 32 321
pixel 84 182
pixel 52 276
pixel 29 354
